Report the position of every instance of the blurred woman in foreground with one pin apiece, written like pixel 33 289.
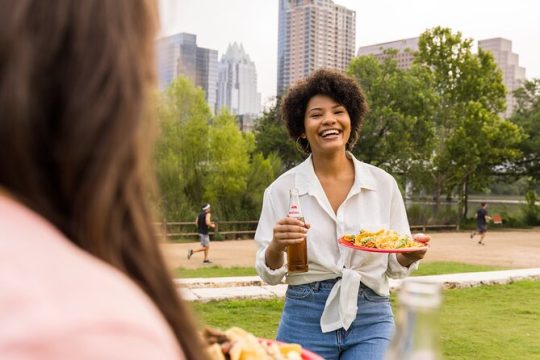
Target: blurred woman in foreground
pixel 81 274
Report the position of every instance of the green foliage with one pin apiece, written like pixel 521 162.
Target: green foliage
pixel 271 136
pixel 181 151
pixel 418 215
pixel 200 158
pixel 261 173
pixel 531 210
pixel 472 138
pixel 527 116
pixel 398 133
pixel 229 159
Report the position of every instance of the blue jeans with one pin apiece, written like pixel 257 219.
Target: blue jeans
pixel 367 338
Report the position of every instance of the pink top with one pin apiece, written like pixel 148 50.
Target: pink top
pixel 59 302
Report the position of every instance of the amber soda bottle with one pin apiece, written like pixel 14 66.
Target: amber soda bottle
pixel 297 260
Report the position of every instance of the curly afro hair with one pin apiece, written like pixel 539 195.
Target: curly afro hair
pixel 340 87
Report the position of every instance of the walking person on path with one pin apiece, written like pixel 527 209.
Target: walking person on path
pixel 203 222
pixel 482 218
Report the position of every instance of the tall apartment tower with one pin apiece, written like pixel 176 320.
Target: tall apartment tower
pixel 405 51
pixel 508 62
pixel 179 55
pixel 313 34
pixel 237 82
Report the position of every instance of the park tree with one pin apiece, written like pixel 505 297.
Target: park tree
pixel 471 138
pixel 200 158
pixel 479 142
pixel 262 171
pixel 398 134
pixel 271 136
pixel 527 116
pixel 229 165
pixel 182 148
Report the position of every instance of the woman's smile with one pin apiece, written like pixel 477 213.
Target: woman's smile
pixel 327 124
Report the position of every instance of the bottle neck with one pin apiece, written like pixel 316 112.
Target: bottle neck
pixel 294 205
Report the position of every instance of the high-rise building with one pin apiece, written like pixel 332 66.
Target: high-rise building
pixel 404 55
pixel 313 34
pixel 179 55
pixel 237 82
pixel 508 62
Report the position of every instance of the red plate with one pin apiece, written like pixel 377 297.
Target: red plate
pixel 306 354
pixel 363 248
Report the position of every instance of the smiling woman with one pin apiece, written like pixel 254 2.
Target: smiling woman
pixel 327 124
pixel 339 308
pixel 321 89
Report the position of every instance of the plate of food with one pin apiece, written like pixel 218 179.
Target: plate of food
pixel 384 241
pixel 238 344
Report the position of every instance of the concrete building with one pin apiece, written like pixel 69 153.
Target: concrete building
pixel 246 122
pixel 508 62
pixel 237 82
pixel 313 34
pixel 179 55
pixel 405 51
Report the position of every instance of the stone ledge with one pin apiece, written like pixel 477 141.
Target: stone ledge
pixel 252 287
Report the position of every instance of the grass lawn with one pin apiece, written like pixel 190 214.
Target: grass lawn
pixel 448 267
pixel 484 323
pixel 424 269
pixel 214 271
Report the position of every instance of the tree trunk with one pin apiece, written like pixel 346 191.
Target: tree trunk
pixel 460 206
pixel 466 199
pixel 436 197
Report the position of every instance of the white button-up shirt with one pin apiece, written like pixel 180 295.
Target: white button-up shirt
pixel 374 202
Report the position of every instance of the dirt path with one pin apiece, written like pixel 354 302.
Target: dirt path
pixel 510 248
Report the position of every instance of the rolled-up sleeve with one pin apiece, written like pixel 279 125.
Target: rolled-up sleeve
pixel 263 237
pixel 399 223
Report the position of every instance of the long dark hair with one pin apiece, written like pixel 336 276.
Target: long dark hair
pixel 75 83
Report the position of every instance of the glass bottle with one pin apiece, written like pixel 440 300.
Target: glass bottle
pixel 296 254
pixel 417 327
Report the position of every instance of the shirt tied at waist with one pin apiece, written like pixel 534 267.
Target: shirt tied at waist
pixel 341 306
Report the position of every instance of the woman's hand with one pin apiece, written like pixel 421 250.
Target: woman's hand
pixel 288 231
pixel 406 259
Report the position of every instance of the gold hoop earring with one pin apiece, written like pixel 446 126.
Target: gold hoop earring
pixel 304 149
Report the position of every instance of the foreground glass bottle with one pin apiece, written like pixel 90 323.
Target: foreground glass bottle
pixel 297 253
pixel 417 322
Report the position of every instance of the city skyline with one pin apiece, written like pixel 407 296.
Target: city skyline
pixel 313 35
pixel 254 23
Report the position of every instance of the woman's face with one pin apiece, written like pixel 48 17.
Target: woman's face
pixel 327 124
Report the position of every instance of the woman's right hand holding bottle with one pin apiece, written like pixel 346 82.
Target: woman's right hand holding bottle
pixel 288 231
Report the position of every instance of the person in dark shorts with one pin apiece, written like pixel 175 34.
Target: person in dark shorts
pixel 203 222
pixel 482 218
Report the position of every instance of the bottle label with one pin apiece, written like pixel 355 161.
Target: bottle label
pixel 294 211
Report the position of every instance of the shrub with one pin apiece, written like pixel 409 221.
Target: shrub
pixel 531 212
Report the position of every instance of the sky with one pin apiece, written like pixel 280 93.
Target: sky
pixel 254 24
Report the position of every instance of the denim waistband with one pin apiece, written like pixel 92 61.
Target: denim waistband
pixel 328 284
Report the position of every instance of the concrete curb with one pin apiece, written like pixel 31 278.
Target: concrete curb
pixel 252 287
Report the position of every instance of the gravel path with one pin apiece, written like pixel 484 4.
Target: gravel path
pixel 506 248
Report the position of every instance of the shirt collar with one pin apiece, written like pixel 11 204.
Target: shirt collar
pixel 306 181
